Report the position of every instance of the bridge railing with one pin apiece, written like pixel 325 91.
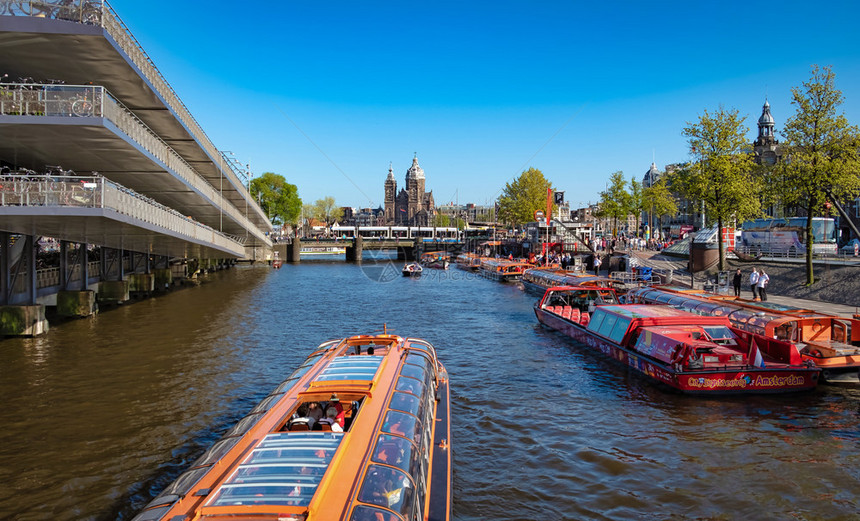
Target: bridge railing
pixel 98 192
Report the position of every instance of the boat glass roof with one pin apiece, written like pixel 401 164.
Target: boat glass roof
pixel 361 367
pixel 284 469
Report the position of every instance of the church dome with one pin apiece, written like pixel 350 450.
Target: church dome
pixel 766 118
pixel 390 174
pixel 651 176
pixel 415 171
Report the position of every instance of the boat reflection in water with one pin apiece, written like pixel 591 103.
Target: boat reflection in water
pixel 360 432
pixel 687 352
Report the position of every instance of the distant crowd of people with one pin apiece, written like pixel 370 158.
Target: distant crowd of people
pixel 622 242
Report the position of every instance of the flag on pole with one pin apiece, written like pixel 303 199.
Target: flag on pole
pixel 754 356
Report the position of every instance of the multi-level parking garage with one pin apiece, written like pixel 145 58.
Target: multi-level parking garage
pixel 138 173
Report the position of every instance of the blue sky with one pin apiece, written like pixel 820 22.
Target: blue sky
pixel 327 94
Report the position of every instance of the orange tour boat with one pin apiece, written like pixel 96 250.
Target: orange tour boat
pixel 359 432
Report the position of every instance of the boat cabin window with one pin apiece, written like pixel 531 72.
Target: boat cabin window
pixel 402 424
pixel 609 325
pixel 617 333
pixel 351 368
pixel 743 319
pixel 720 335
pixel 397 452
pixel 305 367
pixel 366 513
pixel 410 385
pixel 387 487
pixel 284 469
pixel 407 403
pixel 596 320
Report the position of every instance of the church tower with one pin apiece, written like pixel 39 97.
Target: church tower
pixel 415 188
pixel 766 145
pixel 390 194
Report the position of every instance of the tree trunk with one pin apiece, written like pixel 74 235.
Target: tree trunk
pixel 722 246
pixel 810 239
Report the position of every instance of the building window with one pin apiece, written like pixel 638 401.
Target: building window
pixel 857 207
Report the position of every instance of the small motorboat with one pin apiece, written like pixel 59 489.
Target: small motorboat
pixel 435 259
pixel 413 269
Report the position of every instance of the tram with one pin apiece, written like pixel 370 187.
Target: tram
pixel 360 432
pixel 830 341
pixel 420 233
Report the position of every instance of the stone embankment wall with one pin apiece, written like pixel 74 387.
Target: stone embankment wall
pixel 833 283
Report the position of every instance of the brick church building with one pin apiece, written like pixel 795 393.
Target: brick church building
pixel 412 206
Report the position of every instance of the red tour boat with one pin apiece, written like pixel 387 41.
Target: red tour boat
pixel 691 353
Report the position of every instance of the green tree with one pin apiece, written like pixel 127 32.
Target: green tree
pixel 819 159
pixel 658 198
pixel 522 197
pixel 615 201
pixel 636 202
pixel 278 198
pixel 445 221
pixel 327 210
pixel 722 175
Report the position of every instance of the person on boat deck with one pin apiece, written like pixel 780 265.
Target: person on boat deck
pixel 370 350
pixel 301 416
pixel 334 401
pixel 753 282
pixel 331 419
pixel 315 411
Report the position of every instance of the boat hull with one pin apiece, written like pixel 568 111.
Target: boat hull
pixel 746 380
pixel 501 277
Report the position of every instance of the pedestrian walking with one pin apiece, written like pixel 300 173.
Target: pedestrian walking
pixel 736 282
pixel 761 285
pixel 597 264
pixel 753 282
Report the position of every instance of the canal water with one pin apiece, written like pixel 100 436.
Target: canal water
pixel 100 414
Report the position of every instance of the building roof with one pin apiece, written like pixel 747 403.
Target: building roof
pixel 766 118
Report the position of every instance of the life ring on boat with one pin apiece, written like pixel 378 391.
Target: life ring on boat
pixel 678 353
pixel 816 353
